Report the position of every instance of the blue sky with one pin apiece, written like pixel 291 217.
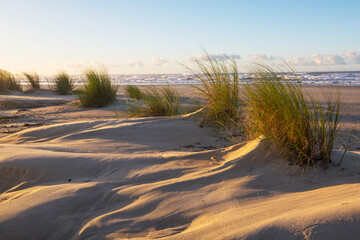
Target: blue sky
pixel 155 36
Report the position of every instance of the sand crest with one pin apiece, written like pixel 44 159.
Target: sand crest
pixel 134 178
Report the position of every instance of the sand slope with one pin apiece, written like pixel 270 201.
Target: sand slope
pixel 118 179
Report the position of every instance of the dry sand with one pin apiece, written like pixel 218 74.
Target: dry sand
pixel 83 174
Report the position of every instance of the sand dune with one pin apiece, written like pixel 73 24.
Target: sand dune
pixel 117 179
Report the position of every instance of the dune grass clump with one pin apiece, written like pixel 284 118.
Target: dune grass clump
pixel 33 79
pixel 98 90
pixel 8 82
pixel 158 102
pixel 63 84
pixel 220 81
pixel 134 92
pixel 293 120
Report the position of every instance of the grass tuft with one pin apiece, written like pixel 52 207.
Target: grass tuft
pixel 8 82
pixel 98 90
pixel 158 102
pixel 63 83
pixel 33 79
pixel 134 92
pixel 292 119
pixel 220 81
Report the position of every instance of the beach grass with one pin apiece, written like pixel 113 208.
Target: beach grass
pixel 33 79
pixel 220 87
pixel 8 82
pixel 134 92
pixel 98 90
pixel 163 101
pixel 292 119
pixel 63 84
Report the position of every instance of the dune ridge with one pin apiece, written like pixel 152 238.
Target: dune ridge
pixel 133 178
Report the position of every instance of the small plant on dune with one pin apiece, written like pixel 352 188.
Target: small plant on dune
pixel 98 90
pixel 33 79
pixel 158 102
pixel 63 83
pixel 8 82
pixel 220 87
pixel 134 92
pixel 292 119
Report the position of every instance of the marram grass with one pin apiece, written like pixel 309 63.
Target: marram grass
pixel 98 90
pixel 134 92
pixel 33 79
pixel 163 101
pixel 63 84
pixel 293 120
pixel 8 82
pixel 220 87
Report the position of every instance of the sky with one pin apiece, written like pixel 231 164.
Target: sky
pixel 160 36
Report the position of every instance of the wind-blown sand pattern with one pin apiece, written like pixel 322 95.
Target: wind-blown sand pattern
pixel 122 179
pixel 138 178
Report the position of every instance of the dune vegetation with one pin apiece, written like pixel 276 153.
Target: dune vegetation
pixel 33 79
pixel 163 101
pixel 269 106
pixel 63 84
pixel 292 119
pixel 8 82
pixel 220 87
pixel 98 90
pixel 134 92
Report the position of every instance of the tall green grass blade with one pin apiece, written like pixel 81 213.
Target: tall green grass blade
pixel 295 121
pixel 98 90
pixel 33 79
pixel 63 83
pixel 220 87
pixel 8 82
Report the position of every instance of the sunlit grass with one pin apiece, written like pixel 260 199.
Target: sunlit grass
pixel 293 120
pixel 98 90
pixel 157 102
pixel 220 87
pixel 134 92
pixel 33 79
pixel 8 82
pixel 63 83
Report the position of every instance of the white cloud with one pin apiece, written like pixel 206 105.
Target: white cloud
pixel 259 57
pixel 134 64
pixel 353 56
pixel 219 57
pixel 157 61
pixel 298 61
pixel 235 56
pixel 81 65
pixel 319 60
pixel 262 57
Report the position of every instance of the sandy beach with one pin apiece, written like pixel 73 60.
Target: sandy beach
pixel 72 173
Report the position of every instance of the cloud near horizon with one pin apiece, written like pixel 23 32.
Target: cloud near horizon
pixel 88 64
pixel 81 65
pixel 157 61
pixel 353 56
pixel 133 64
pixel 262 57
pixel 219 57
pixel 319 60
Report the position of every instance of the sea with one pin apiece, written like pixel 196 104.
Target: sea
pixel 351 78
